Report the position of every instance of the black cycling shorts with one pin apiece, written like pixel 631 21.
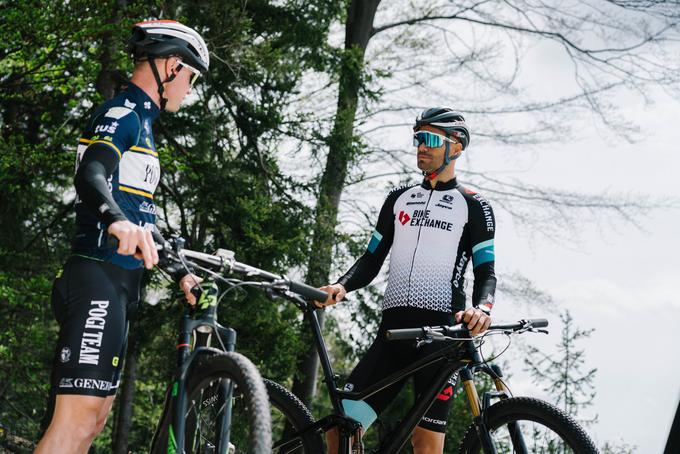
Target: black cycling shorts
pixel 386 357
pixel 92 302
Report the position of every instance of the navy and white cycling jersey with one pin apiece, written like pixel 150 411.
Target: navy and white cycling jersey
pixel 432 235
pixel 120 127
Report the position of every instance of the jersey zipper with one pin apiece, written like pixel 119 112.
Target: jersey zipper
pixel 415 250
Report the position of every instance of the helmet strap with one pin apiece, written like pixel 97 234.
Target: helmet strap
pixel 447 159
pixel 156 76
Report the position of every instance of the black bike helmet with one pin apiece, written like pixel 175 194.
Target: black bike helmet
pixel 448 120
pixel 165 38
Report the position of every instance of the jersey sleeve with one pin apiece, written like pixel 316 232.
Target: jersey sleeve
pixel 113 132
pixel 482 231
pixel 367 267
pixel 117 128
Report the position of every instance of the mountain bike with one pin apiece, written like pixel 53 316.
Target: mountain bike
pixel 501 423
pixel 217 401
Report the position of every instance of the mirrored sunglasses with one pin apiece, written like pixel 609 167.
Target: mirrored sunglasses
pixel 430 139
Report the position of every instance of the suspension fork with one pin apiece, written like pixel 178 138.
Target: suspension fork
pixel 514 429
pixel 226 392
pixel 225 389
pixel 179 398
pixel 478 412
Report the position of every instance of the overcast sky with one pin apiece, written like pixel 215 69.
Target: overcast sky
pixel 618 279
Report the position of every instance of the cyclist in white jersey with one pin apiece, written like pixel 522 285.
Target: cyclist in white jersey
pixel 431 230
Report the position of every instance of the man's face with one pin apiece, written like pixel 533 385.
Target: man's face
pixel 179 87
pixel 430 159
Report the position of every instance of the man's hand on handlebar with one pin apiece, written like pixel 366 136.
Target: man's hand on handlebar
pixel 336 293
pixel 186 284
pixel 134 240
pixel 475 319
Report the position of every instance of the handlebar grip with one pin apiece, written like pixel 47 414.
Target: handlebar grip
pixel 538 322
pixel 197 292
pixel 405 333
pixel 308 292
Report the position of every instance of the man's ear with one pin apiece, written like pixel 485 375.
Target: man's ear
pixel 171 65
pixel 456 150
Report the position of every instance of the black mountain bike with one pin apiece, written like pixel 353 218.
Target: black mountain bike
pixel 510 425
pixel 217 401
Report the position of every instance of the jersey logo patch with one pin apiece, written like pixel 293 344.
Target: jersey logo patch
pixel 130 104
pixel 404 217
pixel 65 354
pixel 107 129
pixel 117 112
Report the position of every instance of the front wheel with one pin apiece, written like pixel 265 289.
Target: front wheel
pixel 227 399
pixel 527 425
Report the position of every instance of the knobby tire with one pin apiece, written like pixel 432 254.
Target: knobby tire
pixel 290 415
pixel 531 413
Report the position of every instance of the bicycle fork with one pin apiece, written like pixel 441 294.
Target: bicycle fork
pixel 477 413
pixel 480 411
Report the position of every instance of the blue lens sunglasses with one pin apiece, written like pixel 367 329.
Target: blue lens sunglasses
pixel 430 139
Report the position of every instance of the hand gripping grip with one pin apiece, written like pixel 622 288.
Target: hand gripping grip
pixel 307 291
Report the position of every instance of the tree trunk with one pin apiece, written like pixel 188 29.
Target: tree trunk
pixel 341 152
pixel 110 78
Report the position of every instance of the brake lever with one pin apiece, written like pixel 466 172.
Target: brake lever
pixel 272 293
pixel 279 285
pixel 424 341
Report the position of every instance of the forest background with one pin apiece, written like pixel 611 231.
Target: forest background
pixel 286 149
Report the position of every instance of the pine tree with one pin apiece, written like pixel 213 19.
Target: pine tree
pixel 562 374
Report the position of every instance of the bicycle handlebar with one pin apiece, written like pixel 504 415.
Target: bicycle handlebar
pixel 460 330
pixel 225 259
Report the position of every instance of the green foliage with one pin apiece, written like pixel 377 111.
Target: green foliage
pixel 26 347
pixel 222 186
pixel 619 447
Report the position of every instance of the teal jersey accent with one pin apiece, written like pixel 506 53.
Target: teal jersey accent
pixel 483 252
pixel 374 242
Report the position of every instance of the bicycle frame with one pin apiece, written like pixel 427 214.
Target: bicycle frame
pixel 175 406
pixel 461 356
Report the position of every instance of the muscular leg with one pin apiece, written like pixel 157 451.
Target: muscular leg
pixel 104 413
pixel 427 441
pixel 76 422
pixel 332 441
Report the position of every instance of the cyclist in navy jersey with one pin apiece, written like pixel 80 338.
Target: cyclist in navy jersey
pixel 431 230
pixel 117 173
